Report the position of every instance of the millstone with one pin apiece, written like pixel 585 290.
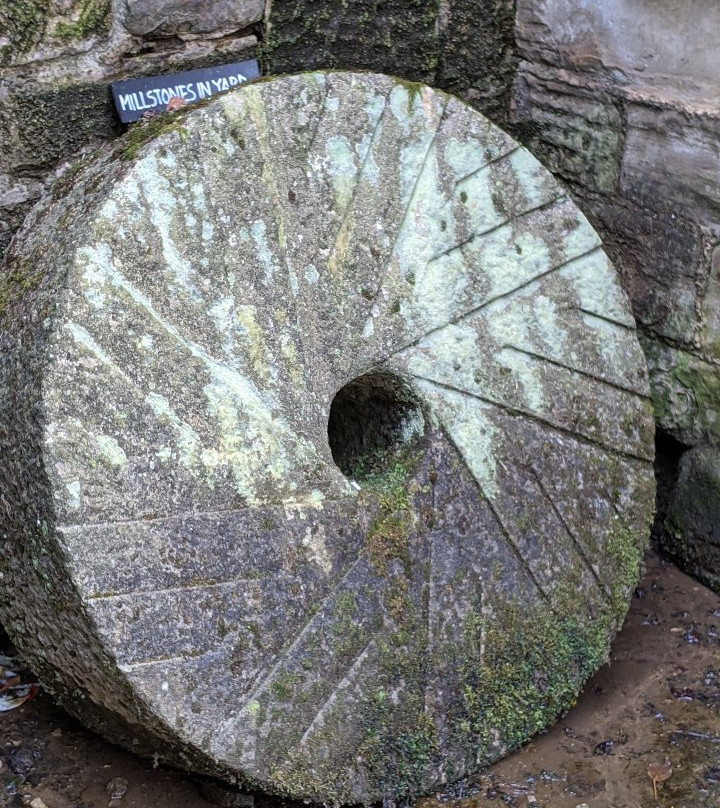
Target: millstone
pixel 326 452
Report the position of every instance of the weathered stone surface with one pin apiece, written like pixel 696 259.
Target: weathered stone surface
pixel 41 125
pixel 576 130
pixel 685 391
pixel 162 18
pixel 398 36
pixel 673 155
pixel 662 264
pixel 326 450
pixel 620 100
pixel 477 55
pixel 672 43
pixel 32 29
pixel 692 532
pixel 465 47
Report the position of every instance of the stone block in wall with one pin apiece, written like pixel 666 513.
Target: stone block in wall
pixel 167 18
pixel 32 30
pixel 672 156
pixel 661 44
pixel 661 259
pixel 575 130
pixel 477 56
pixel 465 47
pixel 692 528
pixel 708 337
pixel 43 124
pixel 685 392
pixel 399 37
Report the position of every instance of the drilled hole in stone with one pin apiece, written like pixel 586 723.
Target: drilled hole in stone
pixel 373 420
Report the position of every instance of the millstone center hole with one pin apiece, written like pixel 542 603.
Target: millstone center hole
pixel 372 420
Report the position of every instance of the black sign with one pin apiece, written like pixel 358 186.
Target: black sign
pixel 135 97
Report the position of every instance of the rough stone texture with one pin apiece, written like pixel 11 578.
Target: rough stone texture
pixel 186 565
pixel 620 100
pixel 163 18
pixel 399 37
pixel 664 291
pixel 673 42
pixel 673 154
pixel 56 59
pixel 463 46
pixel 686 393
pixel 477 55
pixel 31 29
pixel 576 130
pixel 692 528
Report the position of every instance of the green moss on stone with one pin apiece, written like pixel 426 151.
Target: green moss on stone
pixel 16 281
pixel 93 18
pixel 522 668
pixel 685 392
pixel 142 133
pixel 389 483
pixel 26 23
pixel 625 552
pixel 23 23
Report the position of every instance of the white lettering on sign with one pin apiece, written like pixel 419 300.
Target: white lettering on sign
pixel 141 101
pixel 134 97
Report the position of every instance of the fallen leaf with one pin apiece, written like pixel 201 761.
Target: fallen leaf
pixel 658 772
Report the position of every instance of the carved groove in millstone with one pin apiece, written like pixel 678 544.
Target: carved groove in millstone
pixel 188 568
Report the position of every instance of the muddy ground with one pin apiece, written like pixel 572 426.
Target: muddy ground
pixel 659 696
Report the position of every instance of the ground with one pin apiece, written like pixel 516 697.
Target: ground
pixel 659 696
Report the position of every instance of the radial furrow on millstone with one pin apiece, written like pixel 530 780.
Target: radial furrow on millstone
pixel 582 551
pixel 490 266
pixel 210 463
pixel 526 516
pixel 512 412
pixel 569 469
pixel 149 626
pixel 537 450
pixel 467 357
pixel 319 538
pixel 311 667
pixel 398 156
pixel 581 374
pixel 167 245
pixel 472 568
pixel 331 703
pixel 470 426
pixel 429 224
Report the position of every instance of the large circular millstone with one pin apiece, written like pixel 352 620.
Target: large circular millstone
pixel 326 451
